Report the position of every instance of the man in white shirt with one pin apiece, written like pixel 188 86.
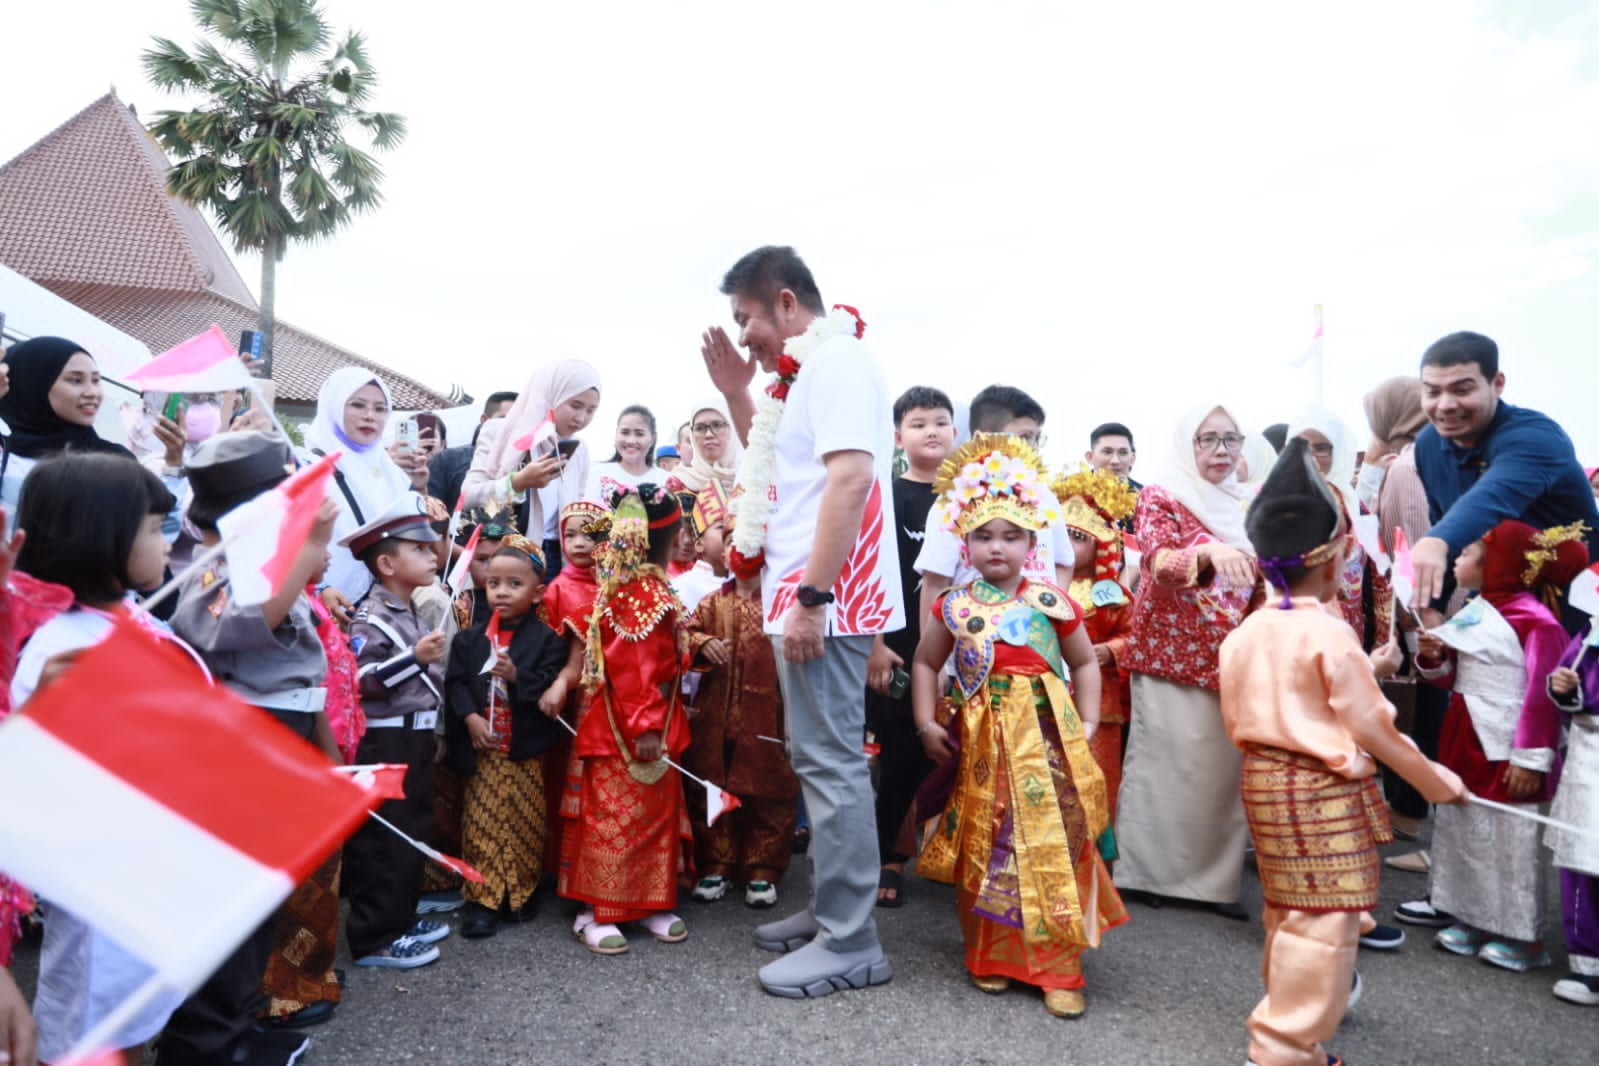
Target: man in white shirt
pixel 830 584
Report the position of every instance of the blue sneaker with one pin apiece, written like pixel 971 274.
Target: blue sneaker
pixel 1383 938
pixel 406 953
pixel 1514 955
pixel 1460 939
pixel 428 931
pixel 439 902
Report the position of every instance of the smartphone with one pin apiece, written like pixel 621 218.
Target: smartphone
pixel 899 684
pixel 410 435
pixel 250 345
pixel 567 446
pixel 174 404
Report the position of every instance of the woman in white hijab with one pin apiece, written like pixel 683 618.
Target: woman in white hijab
pixel 352 409
pixel 558 401
pixel 1180 825
pixel 716 450
pixel 1332 448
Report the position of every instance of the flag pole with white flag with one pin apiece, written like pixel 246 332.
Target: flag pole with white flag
pixel 1312 357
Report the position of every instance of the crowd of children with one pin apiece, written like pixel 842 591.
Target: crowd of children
pixel 600 708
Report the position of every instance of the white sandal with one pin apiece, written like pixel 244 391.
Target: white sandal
pixel 600 939
pixel 666 927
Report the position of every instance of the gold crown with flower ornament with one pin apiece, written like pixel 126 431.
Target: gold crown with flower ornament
pixel 994 475
pixel 1094 501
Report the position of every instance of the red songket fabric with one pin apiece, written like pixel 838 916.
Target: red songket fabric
pixel 627 843
pixel 1182 614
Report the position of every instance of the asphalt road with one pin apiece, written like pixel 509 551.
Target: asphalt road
pixel 1173 986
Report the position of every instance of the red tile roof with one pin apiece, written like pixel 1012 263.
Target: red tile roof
pixel 161 319
pixel 85 213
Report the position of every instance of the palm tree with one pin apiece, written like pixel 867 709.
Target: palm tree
pixel 266 150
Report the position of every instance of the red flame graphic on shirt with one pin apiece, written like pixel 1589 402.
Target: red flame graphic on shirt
pixel 862 605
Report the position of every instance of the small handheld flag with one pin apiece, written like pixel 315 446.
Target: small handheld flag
pixel 461 572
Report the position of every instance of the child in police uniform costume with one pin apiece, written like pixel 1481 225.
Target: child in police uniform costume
pixel 401 691
pixel 269 655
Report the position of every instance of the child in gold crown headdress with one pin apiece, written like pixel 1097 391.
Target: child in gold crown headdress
pixel 1019 835
pixel 1093 504
pixel 628 842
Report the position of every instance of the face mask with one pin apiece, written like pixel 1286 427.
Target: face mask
pixel 1369 483
pixel 202 421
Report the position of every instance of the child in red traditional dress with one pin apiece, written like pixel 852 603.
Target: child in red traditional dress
pixel 568 603
pixel 1020 835
pixel 737 729
pixel 623 853
pixel 1094 503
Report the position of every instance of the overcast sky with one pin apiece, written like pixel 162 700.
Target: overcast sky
pixel 1122 208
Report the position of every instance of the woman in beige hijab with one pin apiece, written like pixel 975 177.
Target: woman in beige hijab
pixel 516 460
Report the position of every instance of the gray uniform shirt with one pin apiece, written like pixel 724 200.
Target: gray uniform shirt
pixel 281 668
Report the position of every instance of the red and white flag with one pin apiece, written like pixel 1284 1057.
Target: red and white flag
pixel 162 809
pixel 1584 592
pixel 455 518
pixel 1404 573
pixel 1313 351
pixel 460 574
pixel 263 536
pixel 207 363
pixel 385 780
pixel 543 433
pixel 718 802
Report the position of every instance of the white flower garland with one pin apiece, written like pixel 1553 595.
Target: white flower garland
pixel 752 507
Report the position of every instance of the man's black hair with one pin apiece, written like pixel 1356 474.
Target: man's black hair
pixel 998 405
pixel 1111 429
pixel 769 270
pixel 1461 348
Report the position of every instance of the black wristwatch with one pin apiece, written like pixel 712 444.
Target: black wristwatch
pixel 811 596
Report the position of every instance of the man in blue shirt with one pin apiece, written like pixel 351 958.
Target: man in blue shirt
pixel 1482 460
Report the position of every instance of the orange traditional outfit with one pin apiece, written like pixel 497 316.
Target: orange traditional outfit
pixel 1019 837
pixel 628 840
pixel 1300 699
pixel 1095 502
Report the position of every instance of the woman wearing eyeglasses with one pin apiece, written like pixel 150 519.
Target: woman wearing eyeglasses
pixel 716 451
pixel 1335 457
pixel 1180 826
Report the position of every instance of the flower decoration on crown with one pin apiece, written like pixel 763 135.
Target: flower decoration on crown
pixel 994 475
pixel 1094 501
pixel 753 507
pixel 1546 549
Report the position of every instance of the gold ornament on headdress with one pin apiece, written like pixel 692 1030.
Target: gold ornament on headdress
pixel 520 543
pixel 994 475
pixel 596 517
pixel 1094 501
pixel 1546 549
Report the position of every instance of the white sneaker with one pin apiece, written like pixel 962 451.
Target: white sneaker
pixel 710 889
pixel 760 894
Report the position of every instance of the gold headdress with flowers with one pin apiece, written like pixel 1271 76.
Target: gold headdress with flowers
pixel 1094 501
pixel 994 475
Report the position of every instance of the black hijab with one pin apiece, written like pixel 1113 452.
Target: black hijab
pixel 36 430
